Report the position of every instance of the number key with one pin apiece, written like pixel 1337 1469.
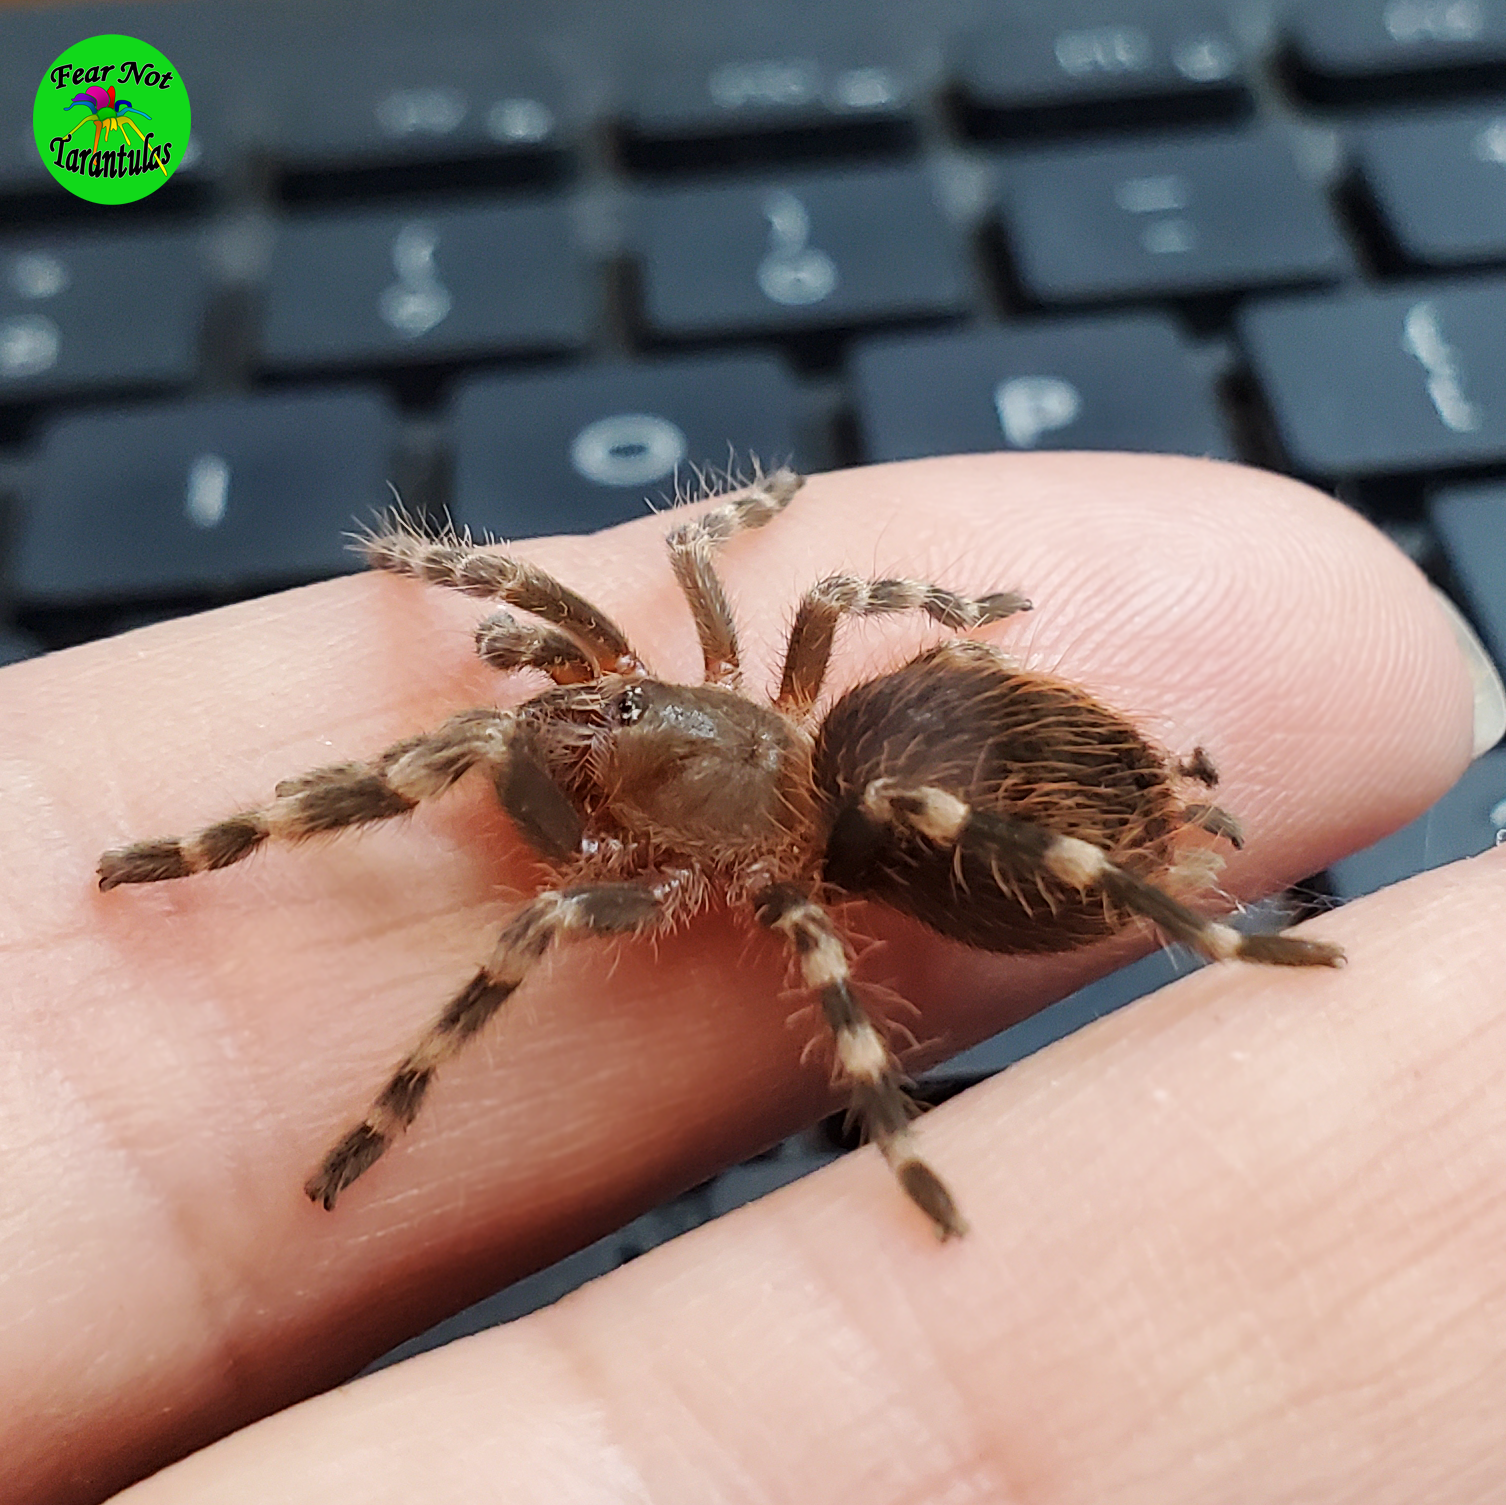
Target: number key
pixel 1084 69
pixel 819 251
pixel 385 92
pixel 715 107
pixel 447 283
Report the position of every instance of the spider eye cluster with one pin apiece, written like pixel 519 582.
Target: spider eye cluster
pixel 630 706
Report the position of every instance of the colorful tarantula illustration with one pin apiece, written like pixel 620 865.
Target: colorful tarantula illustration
pixel 108 114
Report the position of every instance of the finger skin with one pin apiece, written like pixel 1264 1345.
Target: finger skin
pixel 176 1058
pixel 1275 1275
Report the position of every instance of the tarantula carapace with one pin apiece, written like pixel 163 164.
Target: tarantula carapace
pixel 1003 808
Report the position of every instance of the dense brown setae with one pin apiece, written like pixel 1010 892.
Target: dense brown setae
pixel 1023 745
pixel 1005 809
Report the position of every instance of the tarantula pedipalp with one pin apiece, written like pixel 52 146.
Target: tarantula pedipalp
pixel 1002 808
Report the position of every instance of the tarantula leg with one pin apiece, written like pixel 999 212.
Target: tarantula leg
pixel 865 1062
pixel 327 799
pixel 826 603
pixel 691 547
pixel 457 563
pixel 503 642
pixel 1024 851
pixel 1217 822
pixel 603 909
pixel 356 794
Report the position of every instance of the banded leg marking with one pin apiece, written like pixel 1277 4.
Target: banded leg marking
pixel 1025 850
pixel 691 547
pixel 826 603
pixel 603 909
pixel 457 563
pixel 324 800
pixel 866 1063
pixel 503 642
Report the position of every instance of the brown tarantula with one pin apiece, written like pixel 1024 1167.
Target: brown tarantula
pixel 1006 809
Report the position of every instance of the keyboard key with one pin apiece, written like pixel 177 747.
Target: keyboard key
pixel 1352 50
pixel 1100 69
pixel 819 251
pixel 425 285
pixel 99 311
pixel 1124 383
pixel 1208 214
pixel 1377 383
pixel 1469 819
pixel 217 495
pixel 385 92
pixel 1471 525
pixel 1440 184
pixel 569 452
pixel 765 93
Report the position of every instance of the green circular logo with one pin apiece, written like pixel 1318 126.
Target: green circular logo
pixel 111 119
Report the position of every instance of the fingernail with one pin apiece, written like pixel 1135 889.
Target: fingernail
pixel 1490 693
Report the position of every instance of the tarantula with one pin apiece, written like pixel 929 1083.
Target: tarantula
pixel 1003 808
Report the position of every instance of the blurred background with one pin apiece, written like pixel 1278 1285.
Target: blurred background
pixel 531 263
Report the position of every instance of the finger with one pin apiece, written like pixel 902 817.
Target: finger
pixel 1240 1243
pixel 182 1055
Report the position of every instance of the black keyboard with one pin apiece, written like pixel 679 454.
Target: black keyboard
pixel 531 262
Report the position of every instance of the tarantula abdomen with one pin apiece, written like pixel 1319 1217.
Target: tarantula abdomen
pixel 1033 751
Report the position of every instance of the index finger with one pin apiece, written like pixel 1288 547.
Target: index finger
pixel 180 1056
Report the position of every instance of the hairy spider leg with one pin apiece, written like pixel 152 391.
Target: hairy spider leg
pixel 826 603
pixel 1217 822
pixel 460 565
pixel 1211 818
pixel 691 547
pixel 503 642
pixel 354 794
pixel 864 1060
pixel 1022 850
pixel 568 914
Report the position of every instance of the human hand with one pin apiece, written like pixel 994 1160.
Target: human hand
pixel 1238 1242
